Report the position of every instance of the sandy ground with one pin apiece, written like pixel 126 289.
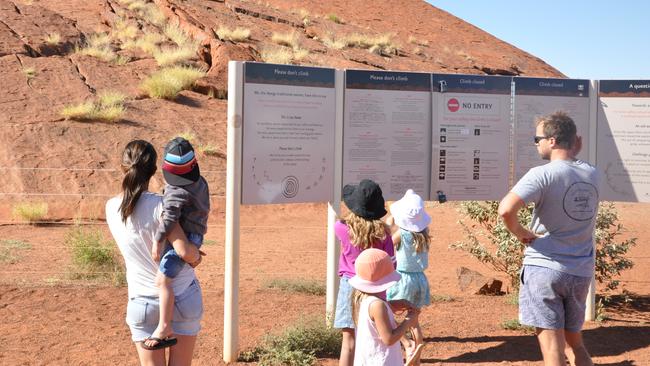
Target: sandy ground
pixel 48 319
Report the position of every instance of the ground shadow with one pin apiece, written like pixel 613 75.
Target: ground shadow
pixel 601 342
pixel 628 307
pixel 188 101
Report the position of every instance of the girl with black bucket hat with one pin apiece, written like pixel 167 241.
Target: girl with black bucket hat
pixel 361 229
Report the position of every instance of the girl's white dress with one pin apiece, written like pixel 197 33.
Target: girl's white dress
pixel 369 349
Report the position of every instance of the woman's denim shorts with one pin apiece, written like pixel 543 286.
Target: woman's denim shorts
pixel 142 313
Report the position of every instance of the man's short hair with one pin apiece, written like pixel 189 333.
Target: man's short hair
pixel 560 126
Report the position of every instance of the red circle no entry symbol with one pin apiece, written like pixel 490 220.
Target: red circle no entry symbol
pixel 453 105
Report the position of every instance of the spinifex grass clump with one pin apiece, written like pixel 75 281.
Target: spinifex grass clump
pixel 277 55
pixel 93 257
pixel 108 107
pixel 235 35
pixel 168 82
pixel 381 44
pixel 168 56
pixel 100 45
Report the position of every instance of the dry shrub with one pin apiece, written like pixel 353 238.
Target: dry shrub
pixel 168 56
pixel 382 44
pixel 154 15
pixel 304 16
pixel 235 35
pixel 103 53
pixel 32 212
pixel 418 42
pixel 300 53
pixel 124 30
pixel 78 112
pixel 210 150
pixel 177 35
pixel 109 107
pixel 53 38
pixel 335 43
pixel 168 82
pixel 111 98
pixel 137 5
pixel 99 40
pixel 277 55
pixel 98 45
pixel 29 72
pixel 334 18
pixel 149 43
pixel 286 39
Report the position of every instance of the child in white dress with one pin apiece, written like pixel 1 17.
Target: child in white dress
pixel 377 332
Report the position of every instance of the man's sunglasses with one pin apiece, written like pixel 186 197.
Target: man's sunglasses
pixel 537 139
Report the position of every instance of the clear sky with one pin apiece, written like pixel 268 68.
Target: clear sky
pixel 583 39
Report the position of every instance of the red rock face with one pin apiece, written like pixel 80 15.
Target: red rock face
pixel 41 74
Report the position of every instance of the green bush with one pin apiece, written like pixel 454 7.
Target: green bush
pixel 298 345
pixel 610 255
pixel 93 257
pixel 488 240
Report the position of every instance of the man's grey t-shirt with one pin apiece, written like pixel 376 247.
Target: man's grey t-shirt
pixel 565 194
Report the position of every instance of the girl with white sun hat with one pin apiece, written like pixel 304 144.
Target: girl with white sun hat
pixel 411 240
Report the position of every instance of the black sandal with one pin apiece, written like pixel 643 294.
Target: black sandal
pixel 160 343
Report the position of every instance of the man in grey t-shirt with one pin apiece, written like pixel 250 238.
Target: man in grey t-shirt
pixel 559 256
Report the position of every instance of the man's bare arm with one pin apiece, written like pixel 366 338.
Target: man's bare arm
pixel 508 209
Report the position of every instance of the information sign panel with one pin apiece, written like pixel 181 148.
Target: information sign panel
pixel 289 115
pixel 470 138
pixel 386 130
pixel 623 130
pixel 535 97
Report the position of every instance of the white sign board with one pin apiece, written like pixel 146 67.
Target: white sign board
pixel 623 153
pixel 386 130
pixel 288 134
pixel 536 97
pixel 470 138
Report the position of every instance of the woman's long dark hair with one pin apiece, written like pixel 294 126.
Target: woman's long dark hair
pixel 139 165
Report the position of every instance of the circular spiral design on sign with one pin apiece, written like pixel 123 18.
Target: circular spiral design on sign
pixel 290 186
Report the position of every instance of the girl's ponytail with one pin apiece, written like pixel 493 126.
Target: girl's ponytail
pixel 421 241
pixel 139 165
